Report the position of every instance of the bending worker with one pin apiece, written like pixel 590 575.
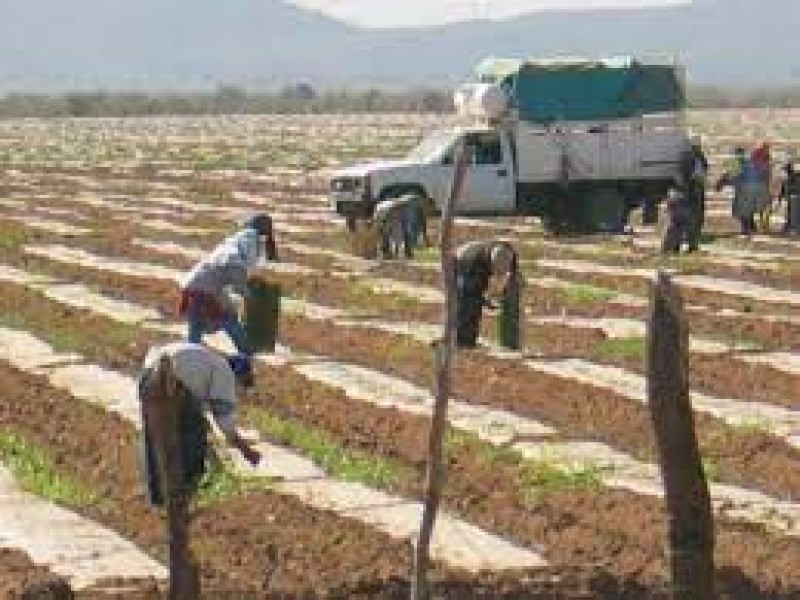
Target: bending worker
pixel 400 222
pixel 178 384
pixel 205 301
pixel 483 270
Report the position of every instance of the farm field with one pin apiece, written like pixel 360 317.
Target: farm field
pixel 553 490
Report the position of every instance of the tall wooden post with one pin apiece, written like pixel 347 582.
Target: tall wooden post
pixel 691 522
pixel 162 411
pixel 444 357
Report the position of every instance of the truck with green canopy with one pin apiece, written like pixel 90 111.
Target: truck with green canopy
pixel 578 142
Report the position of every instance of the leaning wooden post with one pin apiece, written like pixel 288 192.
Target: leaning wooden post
pixel 691 522
pixel 444 358
pixel 162 411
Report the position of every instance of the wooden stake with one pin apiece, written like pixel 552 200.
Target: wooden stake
pixel 444 357
pixel 162 411
pixel 691 522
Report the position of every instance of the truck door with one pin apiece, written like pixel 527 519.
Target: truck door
pixel 489 185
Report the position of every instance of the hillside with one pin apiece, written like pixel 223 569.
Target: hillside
pixel 199 43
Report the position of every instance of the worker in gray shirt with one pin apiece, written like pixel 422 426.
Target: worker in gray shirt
pixel 194 380
pixel 205 301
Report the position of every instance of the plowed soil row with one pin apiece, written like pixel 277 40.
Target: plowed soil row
pixel 786 277
pixel 539 301
pixel 19 576
pixel 748 457
pixel 260 545
pixel 634 284
pixel 716 375
pixel 485 493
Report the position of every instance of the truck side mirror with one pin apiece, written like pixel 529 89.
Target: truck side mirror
pixel 447 161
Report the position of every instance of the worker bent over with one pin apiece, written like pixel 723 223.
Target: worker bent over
pixel 205 301
pixel 483 271
pixel 178 384
pixel 400 222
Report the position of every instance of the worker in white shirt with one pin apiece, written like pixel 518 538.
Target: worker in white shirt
pixel 205 301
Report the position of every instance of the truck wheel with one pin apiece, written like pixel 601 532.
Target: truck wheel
pixel 650 211
pixel 605 210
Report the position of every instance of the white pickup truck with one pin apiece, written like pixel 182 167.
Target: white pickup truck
pixel 575 173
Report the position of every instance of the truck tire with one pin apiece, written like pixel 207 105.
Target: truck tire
pixel 650 211
pixel 605 210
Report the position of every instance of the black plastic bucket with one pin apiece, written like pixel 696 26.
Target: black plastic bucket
pixel 262 313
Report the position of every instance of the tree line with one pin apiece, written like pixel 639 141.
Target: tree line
pixel 304 98
pixel 299 98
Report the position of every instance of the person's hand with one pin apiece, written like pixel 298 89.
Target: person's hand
pixel 251 455
pixel 246 447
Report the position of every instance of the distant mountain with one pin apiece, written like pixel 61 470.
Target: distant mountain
pixel 58 44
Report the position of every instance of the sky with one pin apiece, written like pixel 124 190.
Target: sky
pixel 411 13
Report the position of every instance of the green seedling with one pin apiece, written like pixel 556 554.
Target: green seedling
pixel 14 238
pixel 536 477
pixel 404 349
pixel 712 470
pixel 488 455
pixel 753 426
pixel 221 481
pixel 621 348
pixel 68 339
pixel 36 473
pixel 542 477
pixel 349 465
pixel 583 294
pixel 427 255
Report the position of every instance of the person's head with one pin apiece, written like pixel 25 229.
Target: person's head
pixel 262 223
pixel 502 259
pixel 242 368
pixel 503 263
pixel 159 387
pixel 697 142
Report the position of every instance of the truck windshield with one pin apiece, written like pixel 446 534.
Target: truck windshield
pixel 431 146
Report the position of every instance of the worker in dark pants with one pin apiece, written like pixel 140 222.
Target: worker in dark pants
pixel 481 269
pixel 205 301
pixel 681 213
pixel 178 384
pixel 790 191
pixel 693 171
pixel 200 379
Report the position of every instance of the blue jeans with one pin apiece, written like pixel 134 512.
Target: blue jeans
pixel 230 324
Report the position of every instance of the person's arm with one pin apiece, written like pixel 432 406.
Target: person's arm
pixel 227 425
pixel 247 448
pixel 222 403
pixel 237 276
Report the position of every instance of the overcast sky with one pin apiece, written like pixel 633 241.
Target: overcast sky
pixel 401 13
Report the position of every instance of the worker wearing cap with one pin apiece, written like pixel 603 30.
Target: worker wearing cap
pixel 205 301
pixel 192 379
pixel 483 271
pixel 693 171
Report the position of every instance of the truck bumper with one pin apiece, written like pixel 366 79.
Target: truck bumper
pixel 352 209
